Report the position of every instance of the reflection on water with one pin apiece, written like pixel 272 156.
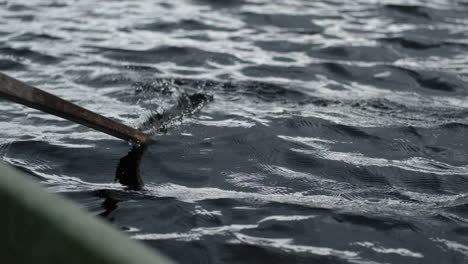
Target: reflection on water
pixel 286 132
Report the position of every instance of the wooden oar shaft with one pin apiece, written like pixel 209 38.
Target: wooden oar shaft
pixel 25 94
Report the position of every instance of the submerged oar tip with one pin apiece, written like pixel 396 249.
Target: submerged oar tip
pixel 128 169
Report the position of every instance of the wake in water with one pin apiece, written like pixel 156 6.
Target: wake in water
pixel 128 169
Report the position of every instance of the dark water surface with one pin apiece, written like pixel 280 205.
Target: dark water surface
pixel 287 131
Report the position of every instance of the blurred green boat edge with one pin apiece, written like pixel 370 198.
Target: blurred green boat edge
pixel 41 227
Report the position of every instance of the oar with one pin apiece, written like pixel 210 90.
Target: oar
pixel 19 92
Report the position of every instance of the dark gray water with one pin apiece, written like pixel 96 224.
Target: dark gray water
pixel 332 131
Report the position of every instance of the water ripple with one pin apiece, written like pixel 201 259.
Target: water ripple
pixel 306 131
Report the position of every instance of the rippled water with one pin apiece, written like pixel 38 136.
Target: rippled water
pixel 332 131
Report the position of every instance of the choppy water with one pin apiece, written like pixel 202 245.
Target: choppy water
pixel 334 131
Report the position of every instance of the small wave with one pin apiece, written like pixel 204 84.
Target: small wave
pixel 416 164
pixel 26 53
pixel 10 65
pixel 185 56
pixel 399 251
pixel 452 245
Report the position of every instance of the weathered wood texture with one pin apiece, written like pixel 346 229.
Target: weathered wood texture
pixel 25 94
